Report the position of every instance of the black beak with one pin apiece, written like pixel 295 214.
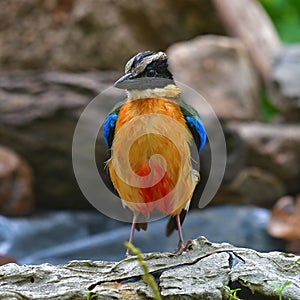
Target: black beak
pixel 124 82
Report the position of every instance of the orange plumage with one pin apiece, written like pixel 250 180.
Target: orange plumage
pixel 178 173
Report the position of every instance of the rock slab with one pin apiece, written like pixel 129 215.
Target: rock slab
pixel 38 114
pixel 283 88
pixel 200 273
pixel 220 69
pixel 83 35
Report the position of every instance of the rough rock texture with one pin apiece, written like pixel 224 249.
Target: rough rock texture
pixel 270 168
pixel 102 34
pixel 200 273
pixel 16 191
pixel 274 148
pixel 252 186
pixel 284 88
pixel 38 115
pixel 219 68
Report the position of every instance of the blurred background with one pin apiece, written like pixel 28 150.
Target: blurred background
pixel 57 55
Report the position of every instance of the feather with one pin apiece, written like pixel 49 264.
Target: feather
pixel 142 226
pixel 195 124
pixel 109 128
pixel 178 177
pixel 110 123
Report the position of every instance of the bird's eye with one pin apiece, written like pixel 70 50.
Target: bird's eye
pixel 151 73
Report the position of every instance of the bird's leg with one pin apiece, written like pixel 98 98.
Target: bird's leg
pixel 135 216
pixel 180 247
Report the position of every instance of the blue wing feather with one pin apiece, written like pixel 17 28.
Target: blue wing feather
pixel 110 123
pixel 196 123
pixel 108 128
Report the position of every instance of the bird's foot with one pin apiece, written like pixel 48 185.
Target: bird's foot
pixel 183 248
pixel 128 253
pixel 179 249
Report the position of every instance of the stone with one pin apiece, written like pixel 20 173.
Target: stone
pixel 83 35
pixel 274 148
pixel 252 186
pixel 16 192
pixel 38 114
pixel 219 68
pixel 283 87
pixel 202 272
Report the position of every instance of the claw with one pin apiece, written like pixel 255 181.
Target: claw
pixel 179 249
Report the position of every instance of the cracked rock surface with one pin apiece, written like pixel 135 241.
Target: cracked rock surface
pixel 200 273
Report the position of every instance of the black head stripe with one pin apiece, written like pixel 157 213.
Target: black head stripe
pixel 157 68
pixel 138 63
pixel 137 60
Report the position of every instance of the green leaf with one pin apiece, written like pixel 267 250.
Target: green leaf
pixel 287 283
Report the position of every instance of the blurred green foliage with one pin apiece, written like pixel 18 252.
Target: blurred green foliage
pixel 268 110
pixel 285 15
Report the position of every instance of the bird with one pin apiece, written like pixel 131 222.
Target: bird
pixel 163 128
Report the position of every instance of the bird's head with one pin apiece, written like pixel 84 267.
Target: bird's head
pixel 146 70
